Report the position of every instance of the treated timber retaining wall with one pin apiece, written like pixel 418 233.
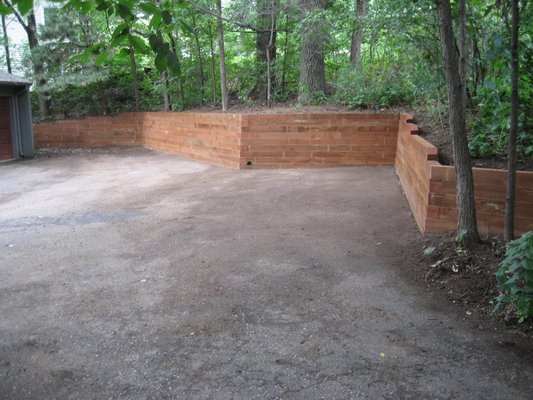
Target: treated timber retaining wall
pixel 122 129
pixel 239 141
pixel 414 156
pixel 308 140
pixel 430 188
pixel 208 137
pixel 318 140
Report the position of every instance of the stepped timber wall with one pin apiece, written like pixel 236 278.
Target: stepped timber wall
pixel 260 141
pixel 430 188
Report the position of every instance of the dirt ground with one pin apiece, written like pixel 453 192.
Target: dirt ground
pixel 130 274
pixel 440 136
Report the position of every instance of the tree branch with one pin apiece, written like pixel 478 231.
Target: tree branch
pixel 214 14
pixel 18 16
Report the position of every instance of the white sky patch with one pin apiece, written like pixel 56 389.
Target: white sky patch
pixel 15 32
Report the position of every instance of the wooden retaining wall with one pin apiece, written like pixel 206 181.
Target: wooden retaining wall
pixel 212 138
pixel 430 188
pixel 414 156
pixel 318 140
pixel 308 140
pixel 122 129
pixel 489 190
pixel 238 141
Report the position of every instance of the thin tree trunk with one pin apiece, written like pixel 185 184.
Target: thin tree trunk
pixel 269 51
pixel 463 50
pixel 30 26
pixel 511 157
pixel 223 82
pixel 179 77
pixel 312 70
pixel 38 67
pixel 6 44
pixel 265 39
pixel 135 80
pixel 103 98
pixel 466 208
pixel 476 56
pixel 285 51
pixel 164 82
pixel 371 49
pixel 166 99
pixel 357 33
pixel 200 58
pixel 213 62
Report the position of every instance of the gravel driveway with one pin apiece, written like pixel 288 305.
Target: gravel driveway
pixel 129 274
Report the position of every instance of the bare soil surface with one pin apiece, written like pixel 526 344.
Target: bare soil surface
pixel 278 108
pixel 440 136
pixel 129 274
pixel 467 277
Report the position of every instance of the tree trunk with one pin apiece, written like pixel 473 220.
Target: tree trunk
pixel 135 80
pixel 463 50
pixel 164 82
pixel 285 51
pixel 166 99
pixel 223 82
pixel 200 58
pixel 466 208
pixel 312 73
pixel 476 70
pixel 269 49
pixel 179 77
pixel 213 68
pixel 357 33
pixel 38 67
pixel 30 27
pixel 511 158
pixel 104 109
pixel 6 44
pixel 265 47
pixel 371 43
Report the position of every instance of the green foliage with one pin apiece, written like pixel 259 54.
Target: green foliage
pixel 370 88
pixel 23 7
pixel 490 120
pixel 86 48
pixel 318 98
pixel 429 250
pixel 491 126
pixel 515 277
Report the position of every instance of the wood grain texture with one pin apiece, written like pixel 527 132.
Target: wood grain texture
pixel 430 188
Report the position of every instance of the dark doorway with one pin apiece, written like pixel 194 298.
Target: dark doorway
pixel 6 141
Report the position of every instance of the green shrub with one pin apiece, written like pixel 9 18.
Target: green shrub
pixel 515 277
pixel 373 88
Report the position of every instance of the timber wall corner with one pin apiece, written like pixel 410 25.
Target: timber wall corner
pixel 275 141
